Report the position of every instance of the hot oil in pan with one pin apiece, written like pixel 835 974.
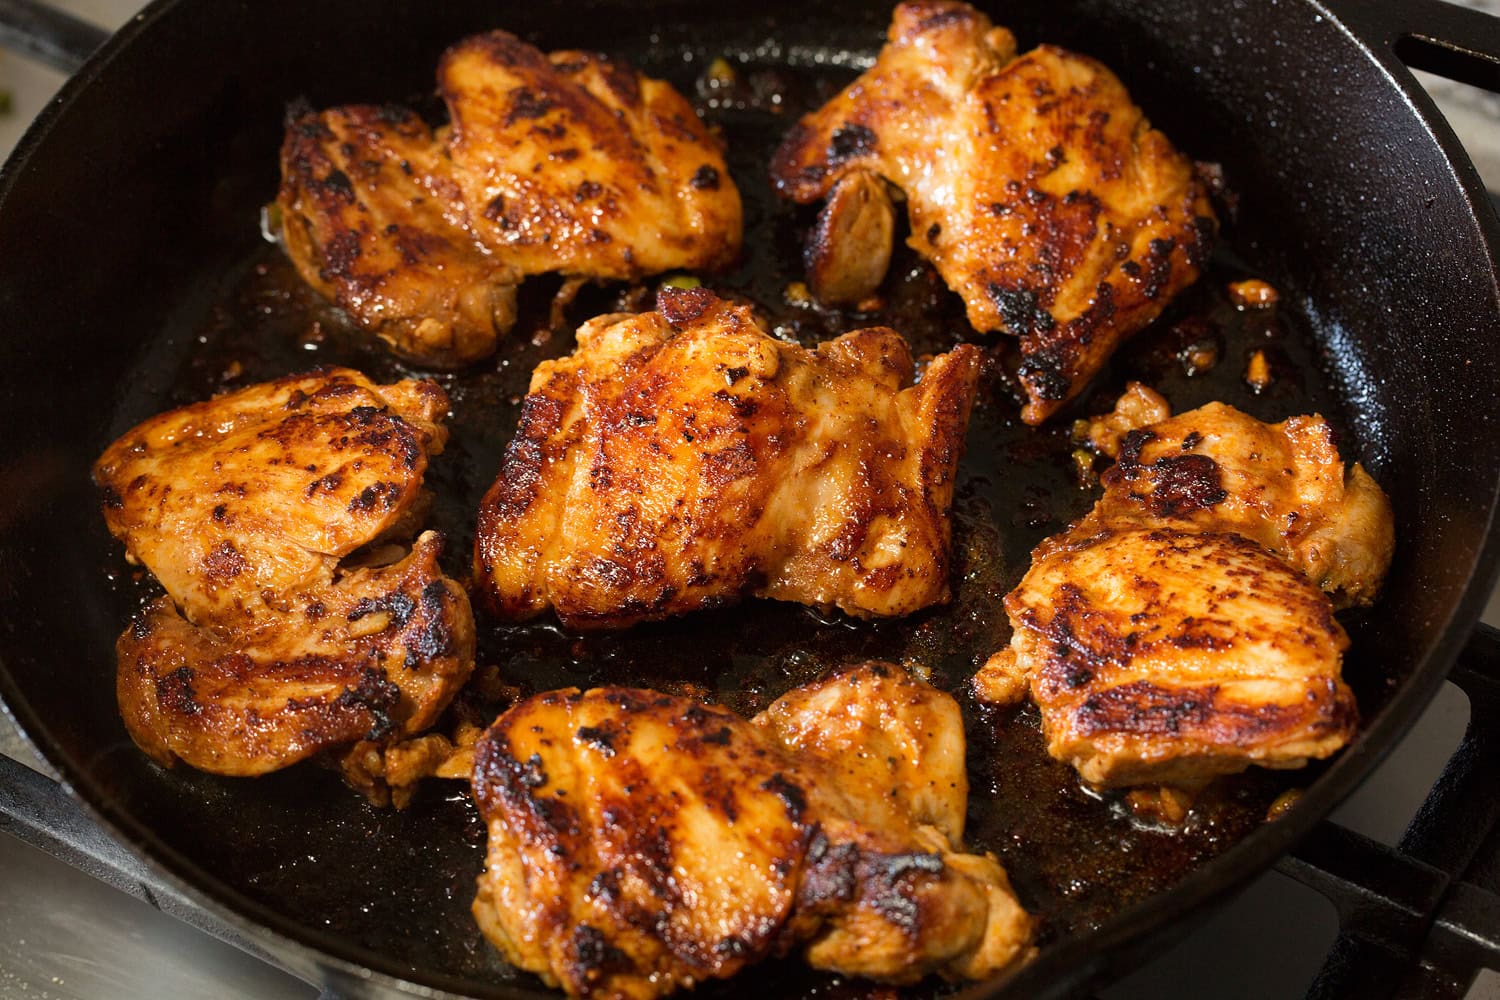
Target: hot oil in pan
pixel 400 884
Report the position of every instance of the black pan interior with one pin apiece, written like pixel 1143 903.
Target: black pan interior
pixel 136 279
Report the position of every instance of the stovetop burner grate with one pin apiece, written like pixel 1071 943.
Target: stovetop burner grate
pixel 1423 918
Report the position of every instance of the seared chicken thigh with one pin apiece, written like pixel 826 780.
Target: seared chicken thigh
pixel 641 843
pixel 1034 184
pixel 684 458
pixel 571 162
pixel 1283 486
pixel 565 162
pixel 270 647
pixel 1184 628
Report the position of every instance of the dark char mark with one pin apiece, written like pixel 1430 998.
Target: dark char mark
pixel 849 141
pixel 791 796
pixel 374 694
pixel 1181 484
pixel 705 178
pixel 174 692
pixel 599 738
pixel 397 605
pixel 595 956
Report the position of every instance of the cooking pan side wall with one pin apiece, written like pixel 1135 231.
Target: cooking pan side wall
pixel 119 225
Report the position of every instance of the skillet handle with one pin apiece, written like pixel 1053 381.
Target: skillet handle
pixel 1455 42
pixel 39 811
pixel 48 35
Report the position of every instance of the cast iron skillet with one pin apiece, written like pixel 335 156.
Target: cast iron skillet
pixel 133 280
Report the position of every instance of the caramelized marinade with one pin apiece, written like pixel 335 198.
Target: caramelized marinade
pixel 400 884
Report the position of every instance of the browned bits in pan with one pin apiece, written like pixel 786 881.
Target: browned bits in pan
pixel 1253 294
pixel 1283 803
pixel 1258 372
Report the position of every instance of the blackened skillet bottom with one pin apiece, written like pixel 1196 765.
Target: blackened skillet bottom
pixel 396 886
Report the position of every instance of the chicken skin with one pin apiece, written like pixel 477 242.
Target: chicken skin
pixel 1184 627
pixel 565 162
pixel 684 458
pixel 271 645
pixel 640 843
pixel 1033 184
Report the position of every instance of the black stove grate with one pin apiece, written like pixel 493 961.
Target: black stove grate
pixel 1423 918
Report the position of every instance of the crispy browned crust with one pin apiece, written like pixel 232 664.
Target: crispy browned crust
pixel 641 843
pixel 1283 485
pixel 1211 716
pixel 722 462
pixel 605 871
pixel 568 162
pixel 1034 185
pixel 375 656
pixel 1167 656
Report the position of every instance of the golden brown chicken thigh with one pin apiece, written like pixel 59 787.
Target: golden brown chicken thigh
pixel 1034 184
pixel 1184 628
pixel 684 458
pixel 565 162
pixel 258 493
pixel 1282 485
pixel 898 739
pixel 641 843
pixel 269 647
pixel 571 162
